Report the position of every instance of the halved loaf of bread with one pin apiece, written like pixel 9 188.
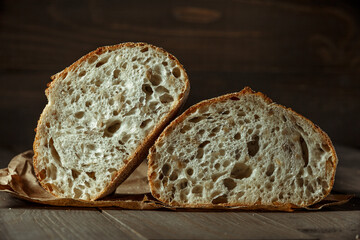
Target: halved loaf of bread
pixel 103 114
pixel 241 149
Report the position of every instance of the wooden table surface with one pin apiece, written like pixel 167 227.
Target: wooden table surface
pixel 23 220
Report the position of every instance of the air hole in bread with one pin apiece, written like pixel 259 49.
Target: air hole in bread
pixel 77 193
pixel 220 199
pixel 214 131
pixel 147 89
pixel 75 99
pixel 79 115
pixel 135 66
pixel 217 166
pixel 234 98
pixel 237 136
pixel 88 103
pixel 98 82
pixel 47 124
pixel 176 72
pixel 102 62
pixel 183 183
pixel 52 172
pixel 145 49
pixel 324 184
pixel 226 163
pixel 240 194
pixel 134 58
pixel 270 170
pixel 42 174
pixel 325 147
pixel 201 132
pixel 161 89
pixel 116 73
pixel 241 113
pixel 161 176
pixel 74 173
pixel 82 73
pixel 112 170
pixel 173 176
pixel 268 186
pixel 91 175
pixel 309 170
pixel 153 105
pixel 131 112
pixel 54 152
pixel 253 146
pixel 197 190
pixel 112 128
pixel 166 98
pixel 229 183
pixel 91 147
pixel 203 144
pixel 196 119
pixel 111 101
pixel 183 195
pixel 145 123
pixel 166 169
pixel 240 171
pixel 155 79
pixel 92 59
pixel 164 63
pixel 304 150
pixel 189 171
pixel 125 138
pixel 300 182
pixel 200 153
pixel 123 65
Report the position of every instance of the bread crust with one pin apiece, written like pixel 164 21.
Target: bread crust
pixel 258 205
pixel 141 151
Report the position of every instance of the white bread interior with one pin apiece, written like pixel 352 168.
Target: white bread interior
pixel 103 114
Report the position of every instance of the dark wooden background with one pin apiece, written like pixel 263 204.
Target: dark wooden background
pixel 302 54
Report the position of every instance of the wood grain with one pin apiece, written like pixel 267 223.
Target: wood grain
pixel 321 225
pixel 203 225
pixel 59 224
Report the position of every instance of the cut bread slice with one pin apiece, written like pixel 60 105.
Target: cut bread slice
pixel 241 149
pixel 103 114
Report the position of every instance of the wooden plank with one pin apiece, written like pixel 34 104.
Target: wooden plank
pixel 58 223
pixel 321 225
pixel 204 225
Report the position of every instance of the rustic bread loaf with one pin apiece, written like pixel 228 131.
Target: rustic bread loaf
pixel 241 149
pixel 103 114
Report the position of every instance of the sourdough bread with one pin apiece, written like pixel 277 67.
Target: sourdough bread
pixel 241 149
pixel 103 114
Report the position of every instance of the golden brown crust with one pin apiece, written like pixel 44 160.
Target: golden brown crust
pixel 140 153
pixel 235 96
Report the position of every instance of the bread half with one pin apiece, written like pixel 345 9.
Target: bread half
pixel 241 149
pixel 103 114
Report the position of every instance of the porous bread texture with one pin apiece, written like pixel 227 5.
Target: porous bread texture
pixel 241 150
pixel 103 114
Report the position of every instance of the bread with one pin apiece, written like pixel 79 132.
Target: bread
pixel 241 149
pixel 103 114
